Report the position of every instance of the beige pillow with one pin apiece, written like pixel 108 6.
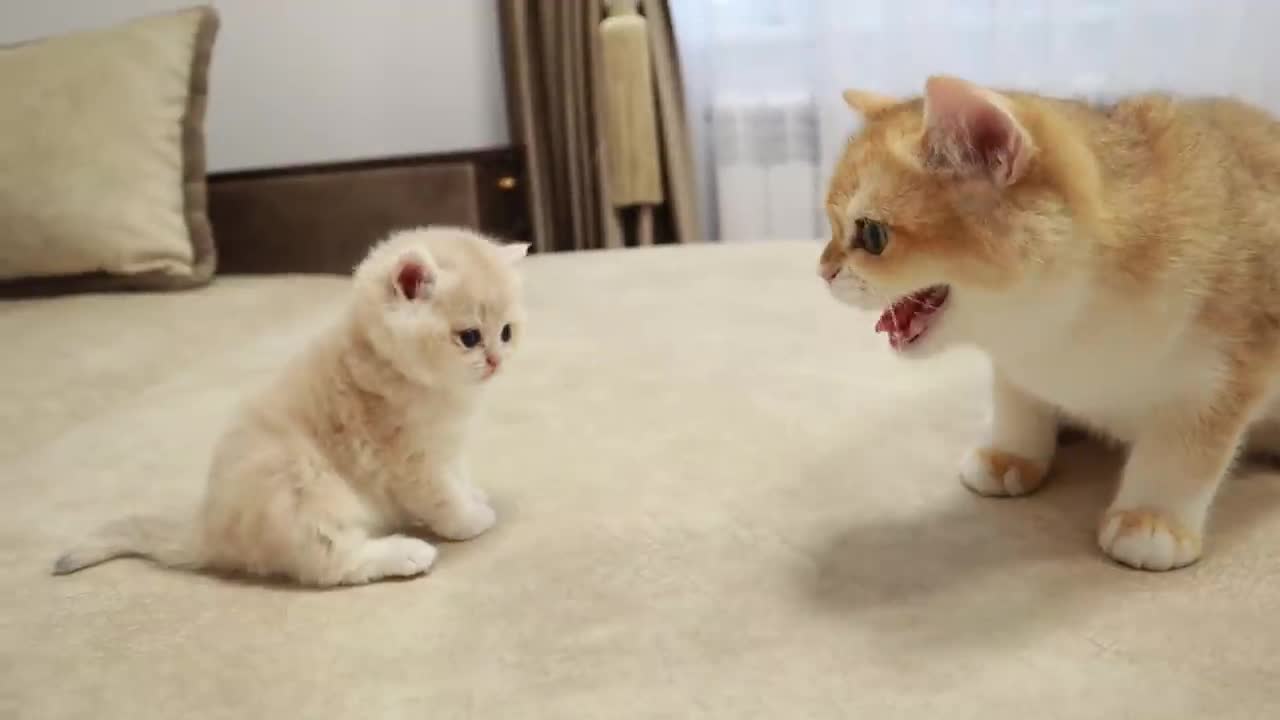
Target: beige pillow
pixel 102 163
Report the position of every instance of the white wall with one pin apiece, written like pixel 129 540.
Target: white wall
pixel 303 81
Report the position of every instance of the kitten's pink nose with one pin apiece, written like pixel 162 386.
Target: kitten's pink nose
pixel 492 361
pixel 828 273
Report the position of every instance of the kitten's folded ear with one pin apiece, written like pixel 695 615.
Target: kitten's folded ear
pixel 413 277
pixel 972 131
pixel 867 103
pixel 513 252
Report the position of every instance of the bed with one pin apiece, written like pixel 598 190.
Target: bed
pixel 719 497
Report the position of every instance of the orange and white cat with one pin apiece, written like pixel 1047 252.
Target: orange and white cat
pixel 1119 264
pixel 361 437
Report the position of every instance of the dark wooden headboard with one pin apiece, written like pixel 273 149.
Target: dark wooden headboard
pixel 322 218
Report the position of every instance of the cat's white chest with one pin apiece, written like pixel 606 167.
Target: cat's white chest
pixel 1108 388
pixel 1111 372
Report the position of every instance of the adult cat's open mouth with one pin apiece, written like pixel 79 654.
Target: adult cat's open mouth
pixel 908 318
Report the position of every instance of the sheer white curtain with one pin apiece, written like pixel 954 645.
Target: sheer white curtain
pixel 764 76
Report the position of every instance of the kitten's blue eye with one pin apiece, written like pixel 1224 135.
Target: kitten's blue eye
pixel 469 337
pixel 870 236
pixel 506 333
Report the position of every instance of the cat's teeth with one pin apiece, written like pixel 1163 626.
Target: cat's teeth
pixel 918 325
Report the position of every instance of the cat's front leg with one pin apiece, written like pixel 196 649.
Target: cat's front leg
pixel 1016 455
pixel 1175 467
pixel 450 505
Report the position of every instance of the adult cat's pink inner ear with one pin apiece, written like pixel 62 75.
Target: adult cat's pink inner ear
pixel 412 278
pixel 970 129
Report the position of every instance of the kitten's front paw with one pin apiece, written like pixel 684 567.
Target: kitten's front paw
pixel 1148 540
pixel 465 520
pixel 395 556
pixel 995 473
pixel 408 557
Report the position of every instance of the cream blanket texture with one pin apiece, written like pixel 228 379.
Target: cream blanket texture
pixel 719 497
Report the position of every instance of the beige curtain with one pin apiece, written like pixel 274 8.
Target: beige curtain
pixel 556 97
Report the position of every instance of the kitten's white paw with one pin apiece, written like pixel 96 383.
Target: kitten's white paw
pixel 385 557
pixel 465 521
pixel 995 473
pixel 406 557
pixel 1148 540
pixel 478 494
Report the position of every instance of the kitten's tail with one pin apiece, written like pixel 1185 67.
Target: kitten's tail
pixel 164 541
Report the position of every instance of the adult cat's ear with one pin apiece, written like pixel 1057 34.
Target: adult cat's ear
pixel 413 277
pixel 867 103
pixel 972 131
pixel 513 252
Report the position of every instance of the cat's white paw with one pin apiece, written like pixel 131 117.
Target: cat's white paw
pixel 1148 540
pixel 465 520
pixel 995 473
pixel 386 557
pixel 406 557
pixel 478 494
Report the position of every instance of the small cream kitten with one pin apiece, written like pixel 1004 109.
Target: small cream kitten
pixel 361 437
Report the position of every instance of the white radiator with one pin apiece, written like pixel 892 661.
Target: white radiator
pixel 766 167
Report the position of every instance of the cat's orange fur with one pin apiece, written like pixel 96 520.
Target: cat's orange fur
pixel 1120 264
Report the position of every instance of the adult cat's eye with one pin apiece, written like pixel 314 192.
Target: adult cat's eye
pixel 506 333
pixel 469 337
pixel 870 236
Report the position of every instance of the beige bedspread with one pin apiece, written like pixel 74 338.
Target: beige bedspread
pixel 719 497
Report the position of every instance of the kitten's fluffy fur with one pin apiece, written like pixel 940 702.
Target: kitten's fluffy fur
pixel 361 436
pixel 1120 265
